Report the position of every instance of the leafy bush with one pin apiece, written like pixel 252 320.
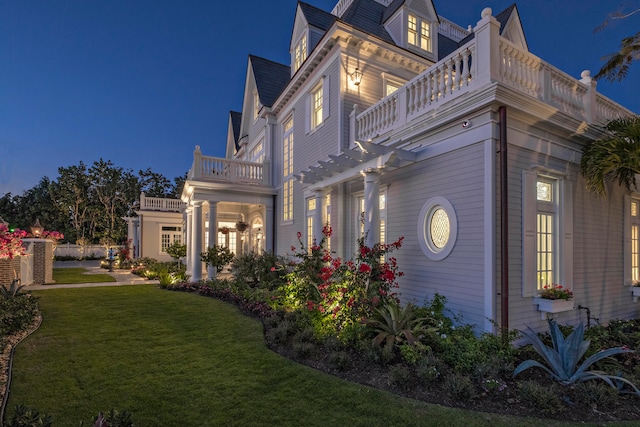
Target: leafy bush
pixel 28 417
pixel 265 270
pixel 542 398
pixel 17 313
pixel 217 256
pixel 459 386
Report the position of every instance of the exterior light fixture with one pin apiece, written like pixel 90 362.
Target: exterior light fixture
pixel 356 77
pixel 36 229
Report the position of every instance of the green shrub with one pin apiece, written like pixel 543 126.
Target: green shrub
pixel 412 354
pixel 340 360
pixel 459 387
pixel 401 376
pixel 28 417
pixel 303 348
pixel 596 394
pixel 17 313
pixel 540 397
pixel 265 270
pixel 217 256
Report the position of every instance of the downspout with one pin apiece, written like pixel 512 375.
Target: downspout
pixel 273 226
pixel 504 224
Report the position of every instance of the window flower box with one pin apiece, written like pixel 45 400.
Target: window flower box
pixel 635 290
pixel 553 305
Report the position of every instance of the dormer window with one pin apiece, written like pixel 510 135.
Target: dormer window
pixel 300 53
pixel 419 32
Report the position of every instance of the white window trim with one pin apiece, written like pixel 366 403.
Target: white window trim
pixel 628 223
pixel 323 85
pixel 564 226
pixel 418 33
pixel 391 80
pixel 172 234
pixel 424 228
pixel 303 48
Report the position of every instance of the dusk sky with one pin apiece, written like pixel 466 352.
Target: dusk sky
pixel 142 82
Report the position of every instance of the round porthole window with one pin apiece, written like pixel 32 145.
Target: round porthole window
pixel 437 228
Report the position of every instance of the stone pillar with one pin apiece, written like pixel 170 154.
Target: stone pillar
pixel 371 207
pixel 9 270
pixel 189 239
pixel 196 241
pixel 487 57
pixel 317 217
pixel 213 234
pixel 136 238
pixel 42 261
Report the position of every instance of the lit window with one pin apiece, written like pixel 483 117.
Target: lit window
pixel 300 53
pixel 230 239
pixel 437 228
pixel 632 240
pixel 287 171
pixel 316 107
pixel 422 37
pixel 382 206
pixel 547 232
pixel 257 153
pixel 311 212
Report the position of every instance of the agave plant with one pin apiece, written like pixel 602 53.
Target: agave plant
pixel 562 360
pixel 12 290
pixel 395 324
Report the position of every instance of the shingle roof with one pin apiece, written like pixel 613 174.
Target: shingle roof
pixel 271 77
pixel 317 17
pixel 366 15
pixel 391 9
pixel 236 119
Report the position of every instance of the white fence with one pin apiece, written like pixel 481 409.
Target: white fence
pixel 77 251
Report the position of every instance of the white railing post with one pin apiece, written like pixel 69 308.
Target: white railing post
pixel 353 125
pixel 589 100
pixel 143 201
pixel 196 169
pixel 487 56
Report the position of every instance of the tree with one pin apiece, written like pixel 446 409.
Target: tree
pixel 72 197
pixel 115 190
pixel 615 157
pixel 178 185
pixel 617 64
pixel 154 184
pixel 37 203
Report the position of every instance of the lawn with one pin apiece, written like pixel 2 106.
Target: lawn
pixel 178 359
pixel 74 275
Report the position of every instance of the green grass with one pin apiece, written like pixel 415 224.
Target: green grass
pixel 179 359
pixel 78 275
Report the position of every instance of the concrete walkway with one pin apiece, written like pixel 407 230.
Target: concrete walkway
pixel 123 277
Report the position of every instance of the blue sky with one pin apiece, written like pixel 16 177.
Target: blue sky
pixel 142 82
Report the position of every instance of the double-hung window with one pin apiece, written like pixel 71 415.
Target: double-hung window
pixel 419 32
pixel 632 240
pixel 317 105
pixel 300 52
pixel 311 213
pixel 547 231
pixel 287 171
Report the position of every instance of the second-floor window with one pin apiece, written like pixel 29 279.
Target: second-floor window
pixel 257 152
pixel 419 32
pixel 300 53
pixel 256 105
pixel 316 106
pixel 287 171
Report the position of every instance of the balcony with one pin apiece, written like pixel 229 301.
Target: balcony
pixel 160 204
pixel 486 59
pixel 230 171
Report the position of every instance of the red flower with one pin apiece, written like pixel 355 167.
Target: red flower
pixel 293 248
pixel 326 230
pixel 299 235
pixel 273 269
pixel 365 268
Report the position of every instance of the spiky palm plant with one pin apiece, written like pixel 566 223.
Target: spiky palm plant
pixel 617 65
pixel 563 358
pixel 394 324
pixel 615 157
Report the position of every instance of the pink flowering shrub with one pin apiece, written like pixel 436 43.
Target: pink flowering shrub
pixel 11 242
pixel 336 293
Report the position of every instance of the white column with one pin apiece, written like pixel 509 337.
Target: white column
pixel 189 239
pixel 268 239
pixel 317 217
pixel 136 238
pixel 196 241
pixel 371 207
pixel 213 234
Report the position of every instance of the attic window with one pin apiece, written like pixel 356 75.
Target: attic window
pixel 419 32
pixel 256 105
pixel 300 53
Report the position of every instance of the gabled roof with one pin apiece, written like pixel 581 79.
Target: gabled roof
pixel 367 16
pixel 502 17
pixel 317 17
pixel 236 119
pixel 391 9
pixel 271 77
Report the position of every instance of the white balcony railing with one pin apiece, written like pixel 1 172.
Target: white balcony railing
pixel 486 59
pixel 160 204
pixel 216 169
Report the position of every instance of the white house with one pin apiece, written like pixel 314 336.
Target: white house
pixel 460 140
